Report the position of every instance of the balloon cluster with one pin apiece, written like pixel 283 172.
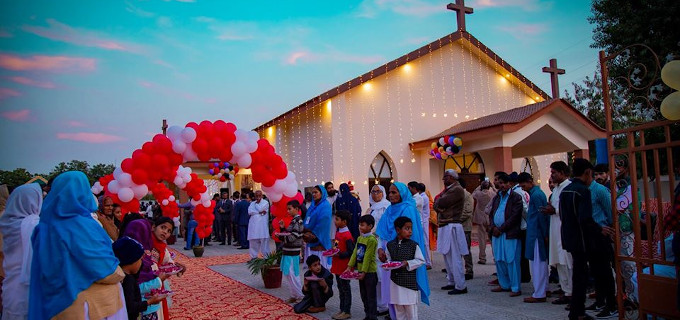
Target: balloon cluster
pixel 670 75
pixel 222 170
pixel 446 146
pixel 160 160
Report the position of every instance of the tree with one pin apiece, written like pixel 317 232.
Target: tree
pixel 93 173
pixel 15 178
pixel 99 170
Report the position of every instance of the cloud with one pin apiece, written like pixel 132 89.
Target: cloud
pixel 417 8
pixel 230 31
pixel 527 5
pixel 34 83
pixel 306 56
pixel 6 93
pixel 416 40
pixel 174 93
pixel 521 30
pixel 58 31
pixel 46 63
pixel 129 7
pixel 89 137
pixel 75 124
pixel 164 22
pixel 18 116
pixel 5 34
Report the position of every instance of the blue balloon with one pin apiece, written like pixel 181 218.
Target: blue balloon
pixel 211 171
pixel 451 139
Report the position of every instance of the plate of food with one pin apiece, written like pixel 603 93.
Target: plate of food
pixel 350 275
pixel 390 265
pixel 313 278
pixel 330 252
pixel 283 234
pixel 170 269
pixel 154 292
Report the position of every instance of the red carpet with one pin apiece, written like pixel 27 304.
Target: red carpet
pixel 202 293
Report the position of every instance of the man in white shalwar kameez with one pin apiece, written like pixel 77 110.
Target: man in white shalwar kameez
pixel 425 220
pixel 258 226
pixel 558 257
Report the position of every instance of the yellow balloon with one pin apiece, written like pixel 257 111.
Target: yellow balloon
pixel 670 106
pixel 441 149
pixel 670 74
pixel 434 145
pixel 458 142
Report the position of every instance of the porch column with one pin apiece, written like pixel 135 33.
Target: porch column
pixel 502 157
pixel 582 153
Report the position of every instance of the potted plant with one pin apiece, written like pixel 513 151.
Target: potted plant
pixel 269 268
pixel 198 250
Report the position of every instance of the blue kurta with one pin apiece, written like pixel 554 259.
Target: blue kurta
pixel 538 225
pixel 507 252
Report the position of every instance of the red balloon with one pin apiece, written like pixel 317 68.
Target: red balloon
pixel 139 176
pixel 231 127
pixel 142 161
pixel 127 165
pixel 268 180
pixel 148 147
pixel 200 146
pixel 162 144
pixel 226 154
pixel 223 178
pixel 160 161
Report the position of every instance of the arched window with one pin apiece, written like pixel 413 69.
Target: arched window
pixel 380 171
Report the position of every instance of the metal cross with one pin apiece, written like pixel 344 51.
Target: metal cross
pixel 554 71
pixel 461 10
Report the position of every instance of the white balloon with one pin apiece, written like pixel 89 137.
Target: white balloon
pixel 125 180
pixel 245 161
pixel 241 135
pixel 275 197
pixel 113 186
pixel 117 172
pixel 140 191
pixel 171 198
pixel 189 153
pixel 253 136
pixel 205 197
pixel 251 146
pixel 290 190
pixel 279 186
pixel 194 202
pixel 238 149
pixel 188 135
pixel 165 202
pixel 206 204
pixel 174 132
pixel 178 180
pixel 125 194
pixel 97 187
pixel 178 146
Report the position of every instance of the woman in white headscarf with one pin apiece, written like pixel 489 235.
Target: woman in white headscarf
pixel 16 224
pixel 379 204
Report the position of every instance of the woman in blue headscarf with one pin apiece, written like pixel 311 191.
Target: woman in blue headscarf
pixel 317 233
pixel 348 202
pixel 402 205
pixel 75 274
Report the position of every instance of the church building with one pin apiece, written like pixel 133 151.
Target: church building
pixel 379 127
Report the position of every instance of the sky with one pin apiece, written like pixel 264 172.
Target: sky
pixel 92 80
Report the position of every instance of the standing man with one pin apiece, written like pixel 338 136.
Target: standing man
pixel 514 186
pixel 586 240
pixel 480 220
pixel 506 211
pixel 258 226
pixel 241 218
pixel 450 236
pixel 602 174
pixel 225 209
pixel 468 210
pixel 557 256
pixel 235 198
pixel 538 231
pixel 425 220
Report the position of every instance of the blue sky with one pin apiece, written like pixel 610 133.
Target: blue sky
pixel 92 80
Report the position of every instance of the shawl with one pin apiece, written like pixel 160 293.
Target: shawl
pixel 383 203
pixel 348 202
pixel 71 250
pixel 386 231
pixel 140 230
pixel 318 220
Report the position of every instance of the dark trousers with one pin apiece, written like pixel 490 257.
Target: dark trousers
pixel 468 257
pixel 314 297
pixel 367 287
pixel 243 236
pixel 579 283
pixel 224 227
pixel 601 269
pixel 234 228
pixel 524 264
pixel 345 294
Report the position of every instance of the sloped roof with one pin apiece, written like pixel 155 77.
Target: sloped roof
pixel 479 47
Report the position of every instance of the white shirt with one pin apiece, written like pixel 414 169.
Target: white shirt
pixel 425 214
pixel 557 255
pixel 525 204
pixel 419 203
pixel 258 225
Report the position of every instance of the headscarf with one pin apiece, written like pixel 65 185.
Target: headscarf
pixel 140 230
pixel 70 249
pixel 383 203
pixel 387 231
pixel 318 220
pixel 348 202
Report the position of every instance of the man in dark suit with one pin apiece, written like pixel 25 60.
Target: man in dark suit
pixel 224 209
pixel 241 218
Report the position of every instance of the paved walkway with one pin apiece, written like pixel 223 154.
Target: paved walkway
pixel 479 303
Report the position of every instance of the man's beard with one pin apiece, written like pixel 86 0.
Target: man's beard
pixel 332 193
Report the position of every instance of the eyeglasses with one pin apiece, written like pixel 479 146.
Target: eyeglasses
pixel 376 191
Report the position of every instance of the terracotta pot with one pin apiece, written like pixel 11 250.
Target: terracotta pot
pixel 272 277
pixel 198 251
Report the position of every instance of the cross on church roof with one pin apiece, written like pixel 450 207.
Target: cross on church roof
pixel 165 126
pixel 554 71
pixel 461 10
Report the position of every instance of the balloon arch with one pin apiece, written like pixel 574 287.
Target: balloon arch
pixel 161 160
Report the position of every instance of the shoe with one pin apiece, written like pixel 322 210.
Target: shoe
pixel 291 300
pixel 456 291
pixel 607 314
pixel 468 277
pixel 568 307
pixel 515 294
pixel 444 270
pixel 595 307
pixel 562 300
pixel 383 313
pixel 187 248
pixel 342 316
pixel 499 289
pixel 494 274
pixel 222 243
pixel 242 248
pixel 592 295
pixel 481 262
pixel 448 287
pixel 236 244
pixel 534 300
pixel 493 282
pixel 336 314
pixel 557 292
pixel 316 309
pixel 428 268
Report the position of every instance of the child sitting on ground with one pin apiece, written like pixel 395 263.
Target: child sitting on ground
pixel 130 252
pixel 345 243
pixel 292 244
pixel 404 293
pixel 363 258
pixel 317 292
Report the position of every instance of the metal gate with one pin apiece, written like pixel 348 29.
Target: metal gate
pixel 643 164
